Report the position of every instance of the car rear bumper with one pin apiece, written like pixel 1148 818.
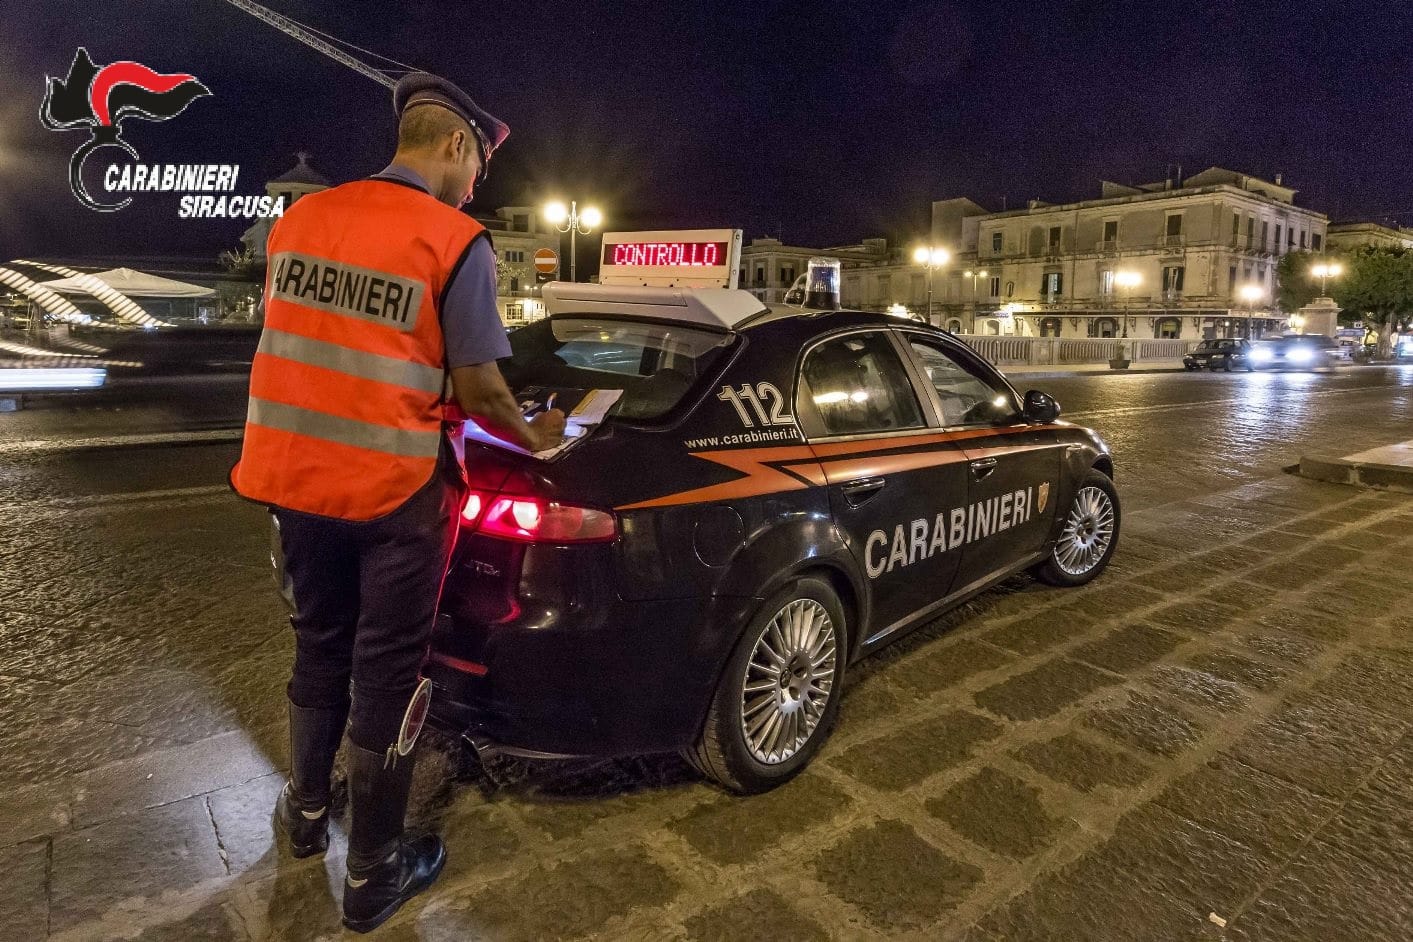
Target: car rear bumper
pixel 617 678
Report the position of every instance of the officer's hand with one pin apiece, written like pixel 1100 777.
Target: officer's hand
pixel 549 428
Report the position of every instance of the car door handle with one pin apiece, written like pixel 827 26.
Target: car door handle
pixel 981 467
pixel 860 491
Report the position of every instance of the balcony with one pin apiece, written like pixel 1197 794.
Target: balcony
pixel 1107 246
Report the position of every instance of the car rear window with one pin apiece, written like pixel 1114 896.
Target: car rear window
pixel 655 364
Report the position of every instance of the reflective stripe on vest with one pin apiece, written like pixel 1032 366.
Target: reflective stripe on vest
pixel 347 388
pixel 332 356
pixel 335 428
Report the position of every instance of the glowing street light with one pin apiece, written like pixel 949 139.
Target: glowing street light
pixel 1251 293
pixel 1126 279
pixel 973 275
pixel 931 258
pixel 1326 270
pixel 569 219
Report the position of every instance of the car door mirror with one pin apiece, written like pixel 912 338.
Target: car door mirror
pixel 1041 407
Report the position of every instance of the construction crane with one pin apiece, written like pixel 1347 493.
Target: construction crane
pixel 320 42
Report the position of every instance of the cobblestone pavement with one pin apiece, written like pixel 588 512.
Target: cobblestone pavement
pixel 1218 730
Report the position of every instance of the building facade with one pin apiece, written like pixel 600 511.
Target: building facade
pixel 1352 235
pixel 1186 259
pixel 518 232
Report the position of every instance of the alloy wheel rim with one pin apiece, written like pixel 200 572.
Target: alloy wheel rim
pixel 1088 532
pixel 789 680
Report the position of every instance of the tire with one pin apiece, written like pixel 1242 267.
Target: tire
pixel 746 763
pixel 1226 364
pixel 1076 558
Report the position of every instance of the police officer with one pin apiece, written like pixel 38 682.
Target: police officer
pixel 378 290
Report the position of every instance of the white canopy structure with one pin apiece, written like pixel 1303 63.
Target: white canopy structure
pixel 133 284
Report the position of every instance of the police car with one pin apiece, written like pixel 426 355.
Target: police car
pixel 776 494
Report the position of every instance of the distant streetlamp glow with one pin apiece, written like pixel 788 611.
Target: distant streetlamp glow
pixel 897 310
pixel 1126 279
pixel 1325 271
pixel 1251 293
pixel 932 258
pixel 973 275
pixel 572 221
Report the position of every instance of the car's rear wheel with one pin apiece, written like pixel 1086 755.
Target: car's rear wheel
pixel 1088 537
pixel 778 697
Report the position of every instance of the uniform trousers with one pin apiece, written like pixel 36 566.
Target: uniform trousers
pixel 365 599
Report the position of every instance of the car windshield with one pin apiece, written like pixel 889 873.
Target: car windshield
pixel 655 364
pixel 1216 346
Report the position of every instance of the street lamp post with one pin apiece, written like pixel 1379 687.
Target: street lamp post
pixel 973 275
pixel 1251 293
pixel 1126 280
pixel 574 222
pixel 1324 271
pixel 932 259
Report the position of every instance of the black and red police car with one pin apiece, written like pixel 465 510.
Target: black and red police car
pixel 774 495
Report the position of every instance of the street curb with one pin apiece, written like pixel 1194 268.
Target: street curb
pixel 1388 477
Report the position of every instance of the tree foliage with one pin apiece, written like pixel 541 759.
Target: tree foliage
pixel 1377 287
pixel 1296 287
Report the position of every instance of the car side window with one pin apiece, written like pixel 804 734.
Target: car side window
pixel 857 384
pixel 967 396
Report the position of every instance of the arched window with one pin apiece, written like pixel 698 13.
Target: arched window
pixel 954 324
pixel 1103 327
pixel 1049 327
pixel 1169 328
pixel 1010 289
pixel 992 328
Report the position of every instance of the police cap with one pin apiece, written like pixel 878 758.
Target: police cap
pixel 423 88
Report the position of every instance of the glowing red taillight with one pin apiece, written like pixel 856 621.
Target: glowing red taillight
pixel 534 520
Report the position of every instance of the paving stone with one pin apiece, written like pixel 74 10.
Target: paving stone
pixel 1378 826
pixel 731 829
pixel 1235 595
pixel 1198 688
pixel 33 646
pixel 1192 618
pixel 31 811
pixel 1083 765
pixel 899 880
pixel 476 837
pixel 998 811
pixel 1141 885
pixel 1284 576
pixel 1039 632
pixel 301 901
pixel 1377 679
pixel 1329 893
pixel 1261 811
pixel 1282 646
pixel 1258 675
pixel 1103 600
pixel 130 860
pixel 165 775
pixel 1395 775
pixel 1302 620
pixel 24 893
pixel 573 898
pixel 1320 743
pixel 917 751
pixel 1148 723
pixel 1231 558
pixel 71 745
pixel 934 670
pixel 759 914
pixel 1183 579
pixel 1044 690
pixel 1125 648
pixel 569 814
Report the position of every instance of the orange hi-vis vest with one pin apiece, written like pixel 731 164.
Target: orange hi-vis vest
pixel 347 388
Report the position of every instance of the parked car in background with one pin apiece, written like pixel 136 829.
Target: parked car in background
pixel 1220 354
pixel 1298 352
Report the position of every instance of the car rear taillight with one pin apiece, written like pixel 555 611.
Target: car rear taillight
pixel 535 520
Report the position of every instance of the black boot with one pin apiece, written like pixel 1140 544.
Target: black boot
pixel 385 869
pixel 302 810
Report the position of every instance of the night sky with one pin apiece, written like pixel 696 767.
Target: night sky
pixel 819 122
